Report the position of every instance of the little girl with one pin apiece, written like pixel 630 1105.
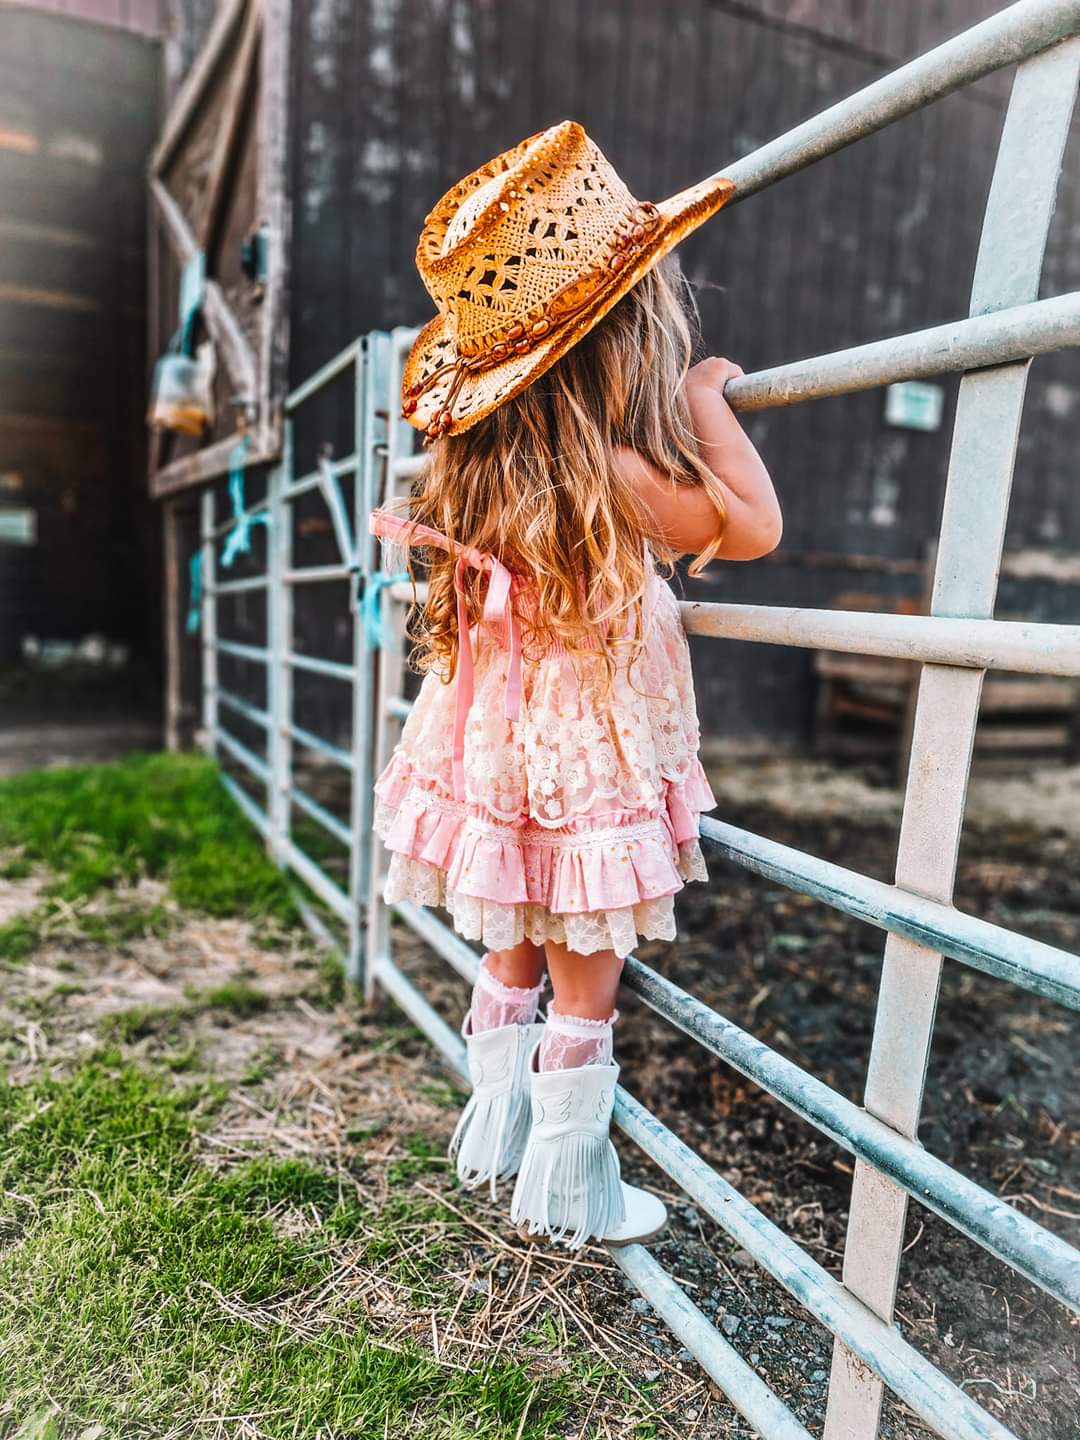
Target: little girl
pixel 546 789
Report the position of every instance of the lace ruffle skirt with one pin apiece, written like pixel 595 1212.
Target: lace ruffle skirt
pixel 579 821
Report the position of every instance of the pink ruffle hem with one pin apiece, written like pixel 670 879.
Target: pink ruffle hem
pixel 616 861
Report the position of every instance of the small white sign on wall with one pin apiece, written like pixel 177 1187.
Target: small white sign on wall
pixel 18 527
pixel 914 405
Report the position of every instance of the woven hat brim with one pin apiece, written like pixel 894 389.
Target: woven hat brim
pixel 483 392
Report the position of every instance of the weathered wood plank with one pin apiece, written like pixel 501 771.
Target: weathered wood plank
pixel 273 206
pixel 200 466
pixel 195 83
pixel 237 92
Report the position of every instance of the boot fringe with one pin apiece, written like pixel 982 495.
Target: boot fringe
pixel 568 1188
pixel 489 1137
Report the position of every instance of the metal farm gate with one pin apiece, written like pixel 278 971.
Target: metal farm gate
pixel 956 644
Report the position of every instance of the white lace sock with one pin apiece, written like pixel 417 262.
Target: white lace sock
pixel 494 1004
pixel 570 1041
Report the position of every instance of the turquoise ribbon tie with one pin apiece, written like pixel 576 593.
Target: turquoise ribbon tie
pixel 377 629
pixel 238 540
pixel 192 293
pixel 194 615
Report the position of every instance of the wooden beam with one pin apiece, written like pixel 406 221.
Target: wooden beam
pixel 237 354
pixel 236 95
pixel 272 202
pixel 201 466
pixel 198 78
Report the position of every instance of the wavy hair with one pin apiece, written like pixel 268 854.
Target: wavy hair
pixel 536 483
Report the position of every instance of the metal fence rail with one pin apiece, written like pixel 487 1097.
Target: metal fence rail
pixel 955 645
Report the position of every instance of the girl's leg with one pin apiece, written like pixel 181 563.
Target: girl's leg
pixel 579 1029
pixel 568 1185
pixel 523 966
pixel 507 988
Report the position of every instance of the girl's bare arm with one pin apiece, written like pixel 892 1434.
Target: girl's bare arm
pixel 684 515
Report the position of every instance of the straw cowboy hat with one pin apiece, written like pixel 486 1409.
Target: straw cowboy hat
pixel 522 258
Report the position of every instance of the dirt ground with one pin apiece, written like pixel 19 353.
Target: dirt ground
pixel 1002 1104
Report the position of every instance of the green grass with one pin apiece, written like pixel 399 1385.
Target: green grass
pixel 238 996
pixel 141 1291
pixel 97 827
pixel 328 986
pixel 165 816
pixel 18 938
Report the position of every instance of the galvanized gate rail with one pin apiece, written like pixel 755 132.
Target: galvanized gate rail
pixel 279 660
pixel 956 644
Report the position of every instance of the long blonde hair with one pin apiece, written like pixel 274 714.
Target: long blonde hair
pixel 536 483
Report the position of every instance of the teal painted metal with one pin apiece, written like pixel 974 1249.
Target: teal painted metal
pixel 372 615
pixel 195 589
pixel 933 1397
pixel 1025 646
pixel 978 342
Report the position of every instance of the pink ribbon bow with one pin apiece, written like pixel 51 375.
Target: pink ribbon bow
pixel 498 613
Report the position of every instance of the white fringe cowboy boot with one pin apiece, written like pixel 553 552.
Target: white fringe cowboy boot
pixel 489 1139
pixel 569 1187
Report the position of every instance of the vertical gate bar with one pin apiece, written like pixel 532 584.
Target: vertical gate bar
pixel 361 683
pixel 389 662
pixel 981 461
pixel 279 602
pixel 209 623
pixel 369 435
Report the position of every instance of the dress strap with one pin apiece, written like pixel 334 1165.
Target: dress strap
pixel 499 613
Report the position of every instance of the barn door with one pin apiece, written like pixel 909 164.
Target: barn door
pixel 217 189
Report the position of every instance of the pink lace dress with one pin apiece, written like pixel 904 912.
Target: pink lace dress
pixel 575 821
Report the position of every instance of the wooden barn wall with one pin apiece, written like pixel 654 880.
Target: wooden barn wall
pixel 392 100
pixel 78 112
